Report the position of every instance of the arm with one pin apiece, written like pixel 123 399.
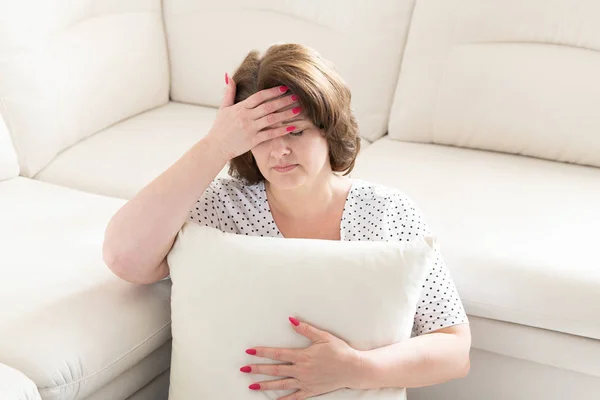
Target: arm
pixel 140 235
pixel 440 351
pixel 423 360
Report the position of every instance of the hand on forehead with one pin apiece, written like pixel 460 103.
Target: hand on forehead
pixel 300 121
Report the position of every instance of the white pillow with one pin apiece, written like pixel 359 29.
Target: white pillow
pixel 234 292
pixel 15 385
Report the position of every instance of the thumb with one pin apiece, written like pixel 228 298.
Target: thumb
pixel 229 96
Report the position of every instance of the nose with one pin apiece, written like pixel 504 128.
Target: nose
pixel 279 147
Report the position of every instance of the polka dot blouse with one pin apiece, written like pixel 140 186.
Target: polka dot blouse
pixel 371 212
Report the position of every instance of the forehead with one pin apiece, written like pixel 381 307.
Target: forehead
pixel 300 120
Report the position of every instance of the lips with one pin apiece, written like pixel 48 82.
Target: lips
pixel 284 168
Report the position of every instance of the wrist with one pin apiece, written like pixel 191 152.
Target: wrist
pixel 215 148
pixel 359 371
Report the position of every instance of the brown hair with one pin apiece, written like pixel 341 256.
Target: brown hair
pixel 322 94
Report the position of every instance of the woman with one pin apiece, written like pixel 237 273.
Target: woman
pixel 286 128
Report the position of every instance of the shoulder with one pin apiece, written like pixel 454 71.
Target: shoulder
pixel 236 192
pixel 389 209
pixel 224 187
pixel 376 195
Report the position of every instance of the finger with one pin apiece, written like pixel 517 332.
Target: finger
pixel 271 106
pixel 299 395
pixel 285 370
pixel 277 117
pixel 314 334
pixel 269 134
pixel 229 96
pixel 274 353
pixel 267 94
pixel 280 384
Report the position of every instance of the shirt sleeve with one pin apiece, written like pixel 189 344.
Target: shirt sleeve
pixel 205 211
pixel 439 305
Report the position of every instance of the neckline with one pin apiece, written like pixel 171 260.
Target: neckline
pixel 267 207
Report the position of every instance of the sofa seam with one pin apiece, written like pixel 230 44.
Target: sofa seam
pixel 163 8
pixel 51 389
pixel 399 71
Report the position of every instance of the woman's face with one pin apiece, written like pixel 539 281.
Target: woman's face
pixel 294 159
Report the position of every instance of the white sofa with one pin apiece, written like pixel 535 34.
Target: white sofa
pixel 483 111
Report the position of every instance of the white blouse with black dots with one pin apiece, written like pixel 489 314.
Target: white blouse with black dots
pixel 372 212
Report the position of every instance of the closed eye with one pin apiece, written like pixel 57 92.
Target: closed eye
pixel 299 133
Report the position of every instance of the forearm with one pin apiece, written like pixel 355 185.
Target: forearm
pixel 140 234
pixel 420 361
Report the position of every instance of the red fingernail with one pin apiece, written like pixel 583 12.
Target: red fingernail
pixel 246 369
pixel 254 386
pixel 283 89
pixel 296 110
pixel 252 352
pixel 294 97
pixel 226 79
pixel 290 128
pixel 294 321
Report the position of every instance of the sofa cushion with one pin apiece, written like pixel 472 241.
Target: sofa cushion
pixel 122 159
pixel 70 69
pixel 9 167
pixel 364 42
pixel 519 234
pixel 158 389
pixel 365 293
pixel 16 386
pixel 542 346
pixel 139 377
pixel 512 76
pixel 66 321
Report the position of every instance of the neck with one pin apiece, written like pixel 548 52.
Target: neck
pixel 309 200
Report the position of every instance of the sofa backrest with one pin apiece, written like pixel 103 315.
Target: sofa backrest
pixel 9 167
pixel 516 76
pixel 365 41
pixel 71 68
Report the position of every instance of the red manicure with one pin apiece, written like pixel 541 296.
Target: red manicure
pixel 283 89
pixel 226 79
pixel 252 352
pixel 294 321
pixel 246 369
pixel 290 128
pixel 296 110
pixel 254 386
pixel 294 97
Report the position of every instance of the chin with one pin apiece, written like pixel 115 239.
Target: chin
pixel 286 181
